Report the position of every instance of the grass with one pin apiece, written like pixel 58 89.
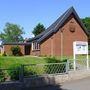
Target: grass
pixel 14 63
pixel 11 62
pixel 7 61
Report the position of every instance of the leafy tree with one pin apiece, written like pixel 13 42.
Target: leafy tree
pixel 12 33
pixel 86 22
pixel 38 29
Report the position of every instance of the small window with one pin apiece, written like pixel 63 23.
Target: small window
pixel 72 27
pixel 35 46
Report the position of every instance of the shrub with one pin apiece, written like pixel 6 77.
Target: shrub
pixel 29 72
pixel 34 70
pixel 54 60
pixel 55 68
pixel 3 54
pixel 2 76
pixel 14 72
pixel 15 50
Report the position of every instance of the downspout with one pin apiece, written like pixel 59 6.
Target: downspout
pixel 61 44
pixel 51 46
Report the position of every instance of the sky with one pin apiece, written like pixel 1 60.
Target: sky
pixel 28 13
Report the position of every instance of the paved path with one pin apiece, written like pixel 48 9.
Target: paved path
pixel 83 84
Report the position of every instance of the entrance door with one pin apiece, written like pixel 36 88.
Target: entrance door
pixel 27 49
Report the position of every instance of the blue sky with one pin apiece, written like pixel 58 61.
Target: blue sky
pixel 28 13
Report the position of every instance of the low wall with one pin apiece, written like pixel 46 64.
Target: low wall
pixel 45 80
pixel 56 79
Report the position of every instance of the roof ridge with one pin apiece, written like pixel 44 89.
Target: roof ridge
pixel 59 22
pixel 63 16
pixel 49 28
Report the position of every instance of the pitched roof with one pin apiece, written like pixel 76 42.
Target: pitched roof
pixel 58 23
pixel 16 43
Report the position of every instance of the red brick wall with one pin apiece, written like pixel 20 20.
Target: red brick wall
pixel 7 49
pixel 52 45
pixel 34 52
pixel 46 47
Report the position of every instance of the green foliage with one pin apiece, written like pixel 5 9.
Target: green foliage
pixel 38 29
pixel 34 70
pixel 55 68
pixel 3 54
pixel 6 62
pixel 11 33
pixel 54 60
pixel 2 76
pixel 12 62
pixel 14 72
pixel 15 50
pixel 29 71
pixel 86 22
pixel 89 47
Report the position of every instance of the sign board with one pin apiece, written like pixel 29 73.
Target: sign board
pixel 80 47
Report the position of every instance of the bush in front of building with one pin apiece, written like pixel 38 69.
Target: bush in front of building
pixel 16 50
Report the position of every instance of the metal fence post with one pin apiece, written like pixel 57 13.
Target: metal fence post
pixel 21 73
pixel 67 66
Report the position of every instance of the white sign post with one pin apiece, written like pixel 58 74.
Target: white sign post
pixel 80 47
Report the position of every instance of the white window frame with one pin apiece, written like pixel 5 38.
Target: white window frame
pixel 35 46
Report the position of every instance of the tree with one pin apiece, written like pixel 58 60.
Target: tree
pixel 86 22
pixel 12 33
pixel 38 29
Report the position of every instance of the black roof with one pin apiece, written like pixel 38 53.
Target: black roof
pixel 57 24
pixel 16 43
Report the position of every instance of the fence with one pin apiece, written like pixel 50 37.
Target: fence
pixel 44 69
pixel 9 74
pixel 33 70
pixel 81 64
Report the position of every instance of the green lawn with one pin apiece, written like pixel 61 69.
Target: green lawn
pixel 7 61
pixel 12 62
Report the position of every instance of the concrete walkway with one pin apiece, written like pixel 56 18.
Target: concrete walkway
pixel 83 84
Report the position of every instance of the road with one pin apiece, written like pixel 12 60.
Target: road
pixel 83 84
